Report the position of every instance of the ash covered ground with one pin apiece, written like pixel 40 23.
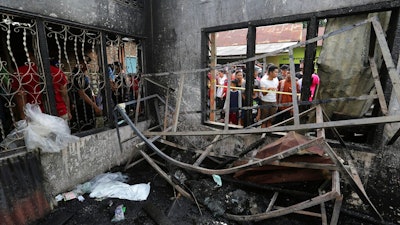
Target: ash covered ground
pixel 166 206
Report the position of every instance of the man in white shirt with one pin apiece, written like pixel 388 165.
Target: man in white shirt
pixel 269 83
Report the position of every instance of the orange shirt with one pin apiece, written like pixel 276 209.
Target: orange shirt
pixel 286 86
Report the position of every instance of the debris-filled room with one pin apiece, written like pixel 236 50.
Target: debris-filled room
pixel 199 112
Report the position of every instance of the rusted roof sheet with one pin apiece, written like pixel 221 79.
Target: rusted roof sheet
pixel 269 174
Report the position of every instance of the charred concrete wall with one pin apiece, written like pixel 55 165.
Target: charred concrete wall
pixel 117 15
pixel 177 26
pixel 90 156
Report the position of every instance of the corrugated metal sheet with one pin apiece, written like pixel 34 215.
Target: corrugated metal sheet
pixel 22 196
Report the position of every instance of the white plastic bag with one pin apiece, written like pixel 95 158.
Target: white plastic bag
pixel 111 185
pixel 116 189
pixel 47 132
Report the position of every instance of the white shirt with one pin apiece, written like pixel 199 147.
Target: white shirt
pixel 265 84
pixel 221 81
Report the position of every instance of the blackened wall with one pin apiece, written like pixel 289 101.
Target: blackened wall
pixel 115 15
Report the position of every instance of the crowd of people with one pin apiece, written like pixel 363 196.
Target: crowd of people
pixel 76 100
pixel 272 93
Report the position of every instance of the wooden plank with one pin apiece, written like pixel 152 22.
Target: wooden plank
pixel 317 166
pixel 336 210
pixel 294 90
pixel 338 123
pixel 206 152
pixel 227 101
pixel 178 103
pixel 302 212
pixel 213 63
pixel 357 186
pixel 284 211
pixel 165 175
pixel 393 74
pixel 319 119
pixel 378 86
pixel 138 101
pixel 272 202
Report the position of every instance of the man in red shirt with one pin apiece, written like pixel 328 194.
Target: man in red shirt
pixel 28 84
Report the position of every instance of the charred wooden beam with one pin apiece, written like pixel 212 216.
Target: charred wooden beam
pixel 338 123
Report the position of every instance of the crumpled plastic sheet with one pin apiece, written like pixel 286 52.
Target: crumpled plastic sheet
pixel 111 185
pixel 39 130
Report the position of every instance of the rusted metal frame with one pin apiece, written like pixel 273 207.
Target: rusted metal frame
pixel 206 152
pixel 378 86
pixel 213 171
pixel 165 175
pixel 178 103
pixel 338 123
pixel 294 89
pixel 357 186
pixel 284 211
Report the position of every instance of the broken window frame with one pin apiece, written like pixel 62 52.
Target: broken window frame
pixel 312 20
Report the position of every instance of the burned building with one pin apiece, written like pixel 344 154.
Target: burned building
pixel 139 72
